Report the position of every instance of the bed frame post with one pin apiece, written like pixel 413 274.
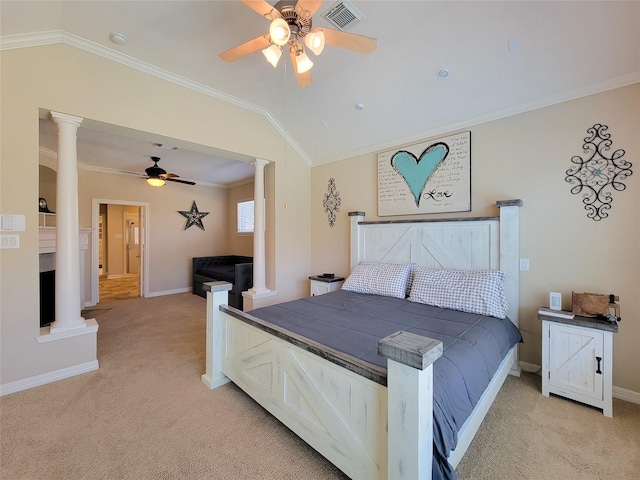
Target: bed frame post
pixel 217 293
pixel 510 262
pixel 410 360
pixel 356 247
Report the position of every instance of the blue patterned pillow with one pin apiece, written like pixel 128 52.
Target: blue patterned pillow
pixel 377 278
pixel 473 291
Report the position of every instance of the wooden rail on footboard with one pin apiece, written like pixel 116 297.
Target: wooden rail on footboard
pixel 366 428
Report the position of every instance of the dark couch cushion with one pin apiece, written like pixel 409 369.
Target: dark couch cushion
pixel 226 273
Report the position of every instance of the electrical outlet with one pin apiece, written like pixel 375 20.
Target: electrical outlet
pixel 9 241
pixel 524 264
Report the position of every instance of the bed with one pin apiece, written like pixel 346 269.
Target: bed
pixel 371 413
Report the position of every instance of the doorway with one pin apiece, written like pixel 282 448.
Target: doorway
pixel 132 242
pixel 120 236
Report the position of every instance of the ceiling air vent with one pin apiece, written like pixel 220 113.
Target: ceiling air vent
pixel 343 15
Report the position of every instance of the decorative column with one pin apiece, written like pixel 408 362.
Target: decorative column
pixel 259 286
pixel 67 295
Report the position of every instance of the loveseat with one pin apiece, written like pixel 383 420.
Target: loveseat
pixel 235 269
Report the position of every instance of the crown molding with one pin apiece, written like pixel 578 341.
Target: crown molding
pixel 58 36
pixel 610 84
pixel 51 158
pixel 9 42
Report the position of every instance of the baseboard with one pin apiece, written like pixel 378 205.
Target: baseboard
pixel 169 292
pixel 626 395
pixel 530 367
pixel 50 377
pixel 618 392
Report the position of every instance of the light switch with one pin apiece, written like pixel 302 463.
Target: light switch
pixel 13 222
pixel 524 264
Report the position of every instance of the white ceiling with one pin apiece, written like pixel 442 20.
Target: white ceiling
pixel 565 50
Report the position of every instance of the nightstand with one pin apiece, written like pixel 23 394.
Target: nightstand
pixel 577 359
pixel 321 285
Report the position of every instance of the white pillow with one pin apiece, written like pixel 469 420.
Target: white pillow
pixel 377 278
pixel 473 291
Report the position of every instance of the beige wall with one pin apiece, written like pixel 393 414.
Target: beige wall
pixel 68 80
pixel 170 247
pixel 526 156
pixel 239 244
pixel 47 186
pixel 114 233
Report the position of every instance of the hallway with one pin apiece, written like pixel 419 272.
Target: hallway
pixel 122 288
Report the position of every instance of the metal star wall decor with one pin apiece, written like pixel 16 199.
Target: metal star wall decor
pixel 591 176
pixel 331 202
pixel 193 216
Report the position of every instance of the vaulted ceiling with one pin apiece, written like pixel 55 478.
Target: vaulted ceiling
pixel 502 57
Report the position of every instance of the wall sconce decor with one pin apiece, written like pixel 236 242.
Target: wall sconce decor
pixel 331 202
pixel 595 175
pixel 193 216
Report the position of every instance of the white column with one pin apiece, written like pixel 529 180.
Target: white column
pixel 259 285
pixel 67 293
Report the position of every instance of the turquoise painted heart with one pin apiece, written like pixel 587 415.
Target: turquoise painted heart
pixel 417 171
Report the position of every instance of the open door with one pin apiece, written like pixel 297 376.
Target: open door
pixel 132 244
pixel 142 252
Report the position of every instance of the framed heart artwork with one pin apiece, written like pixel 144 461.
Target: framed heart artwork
pixel 431 177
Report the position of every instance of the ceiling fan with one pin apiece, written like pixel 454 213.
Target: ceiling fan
pixel 157 177
pixel 292 26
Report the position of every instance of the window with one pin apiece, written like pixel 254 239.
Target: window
pixel 245 217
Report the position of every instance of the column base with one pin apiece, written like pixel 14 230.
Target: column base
pixel 53 328
pixel 258 293
pixel 251 297
pixel 89 326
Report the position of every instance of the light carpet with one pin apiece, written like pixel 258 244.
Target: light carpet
pixel 145 414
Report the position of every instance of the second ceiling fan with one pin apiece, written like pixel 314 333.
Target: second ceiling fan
pixel 157 176
pixel 292 27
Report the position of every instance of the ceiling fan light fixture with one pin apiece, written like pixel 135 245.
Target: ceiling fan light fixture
pixel 272 54
pixel 279 31
pixel 155 181
pixel 315 41
pixel 303 62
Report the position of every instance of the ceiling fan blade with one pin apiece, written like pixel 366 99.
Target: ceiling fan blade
pixel 187 182
pixel 169 175
pixel 303 79
pixel 310 6
pixel 263 8
pixel 350 41
pixel 246 48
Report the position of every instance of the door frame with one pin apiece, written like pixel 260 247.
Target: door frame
pixel 144 245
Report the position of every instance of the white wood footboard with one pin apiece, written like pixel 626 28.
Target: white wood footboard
pixel 359 425
pixel 340 414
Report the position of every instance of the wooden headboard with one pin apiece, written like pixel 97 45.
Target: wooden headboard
pixel 472 243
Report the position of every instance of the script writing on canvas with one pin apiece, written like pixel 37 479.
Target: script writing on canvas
pixel 430 177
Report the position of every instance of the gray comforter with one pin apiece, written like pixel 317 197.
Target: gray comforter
pixel 473 347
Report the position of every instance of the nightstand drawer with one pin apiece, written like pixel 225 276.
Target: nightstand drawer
pixel 321 285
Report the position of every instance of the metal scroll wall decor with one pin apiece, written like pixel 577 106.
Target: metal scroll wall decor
pixel 331 202
pixel 600 171
pixel 193 216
